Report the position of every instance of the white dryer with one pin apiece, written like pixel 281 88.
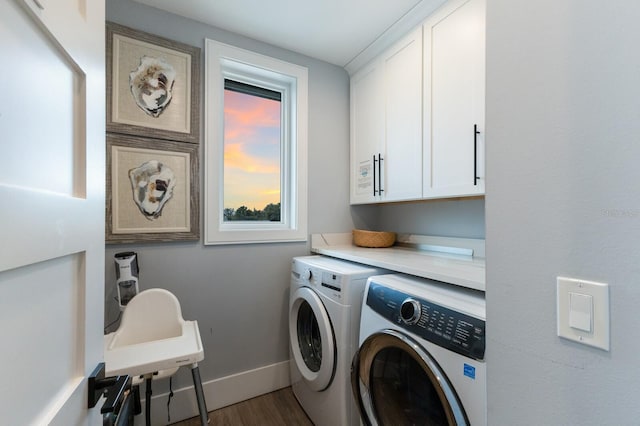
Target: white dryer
pixel 421 354
pixel 324 320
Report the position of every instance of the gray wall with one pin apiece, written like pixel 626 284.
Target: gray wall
pixel 563 119
pixel 448 218
pixel 239 294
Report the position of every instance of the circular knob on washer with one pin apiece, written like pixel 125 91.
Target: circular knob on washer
pixel 307 274
pixel 410 311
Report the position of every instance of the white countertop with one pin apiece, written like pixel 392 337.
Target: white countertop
pixel 463 270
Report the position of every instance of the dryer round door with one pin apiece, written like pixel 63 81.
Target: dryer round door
pixel 397 382
pixel 312 339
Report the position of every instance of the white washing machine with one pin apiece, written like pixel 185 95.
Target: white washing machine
pixel 421 354
pixel 324 321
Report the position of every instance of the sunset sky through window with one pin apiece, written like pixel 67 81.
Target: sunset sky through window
pixel 251 151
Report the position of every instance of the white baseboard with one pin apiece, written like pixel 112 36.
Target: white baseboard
pixel 218 393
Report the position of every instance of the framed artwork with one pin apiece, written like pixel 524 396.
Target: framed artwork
pixel 153 85
pixel 152 190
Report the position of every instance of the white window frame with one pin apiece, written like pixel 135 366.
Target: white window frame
pixel 225 61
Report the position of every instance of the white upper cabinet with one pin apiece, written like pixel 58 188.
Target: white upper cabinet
pixel 403 119
pixel 386 125
pixel 367 133
pixel 454 92
pixel 417 112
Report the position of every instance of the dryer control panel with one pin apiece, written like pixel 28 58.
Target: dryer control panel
pixel 445 327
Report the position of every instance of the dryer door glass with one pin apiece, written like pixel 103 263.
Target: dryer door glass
pixel 401 391
pixel 309 339
pixel 397 382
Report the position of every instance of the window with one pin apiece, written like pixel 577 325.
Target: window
pixel 255 148
pixel 252 152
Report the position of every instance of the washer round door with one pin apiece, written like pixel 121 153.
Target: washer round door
pixel 312 339
pixel 397 382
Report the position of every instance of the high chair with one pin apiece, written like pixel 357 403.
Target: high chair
pixel 152 342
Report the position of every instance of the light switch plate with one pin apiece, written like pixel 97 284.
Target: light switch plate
pixel 598 336
pixel 581 311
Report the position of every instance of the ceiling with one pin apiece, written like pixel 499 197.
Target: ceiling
pixel 335 31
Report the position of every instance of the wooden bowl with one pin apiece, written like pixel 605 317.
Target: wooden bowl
pixel 373 239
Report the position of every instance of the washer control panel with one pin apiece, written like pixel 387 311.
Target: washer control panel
pixel 332 280
pixel 450 329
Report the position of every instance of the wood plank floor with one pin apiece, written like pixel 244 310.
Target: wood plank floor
pixel 279 408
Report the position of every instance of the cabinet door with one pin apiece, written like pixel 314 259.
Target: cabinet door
pixel 367 132
pixel 454 100
pixel 402 165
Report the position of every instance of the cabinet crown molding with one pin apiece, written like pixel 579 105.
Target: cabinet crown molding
pixel 395 32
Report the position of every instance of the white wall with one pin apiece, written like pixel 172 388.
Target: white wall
pixel 563 119
pixel 239 294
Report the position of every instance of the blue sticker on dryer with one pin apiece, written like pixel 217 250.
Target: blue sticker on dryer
pixel 470 371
